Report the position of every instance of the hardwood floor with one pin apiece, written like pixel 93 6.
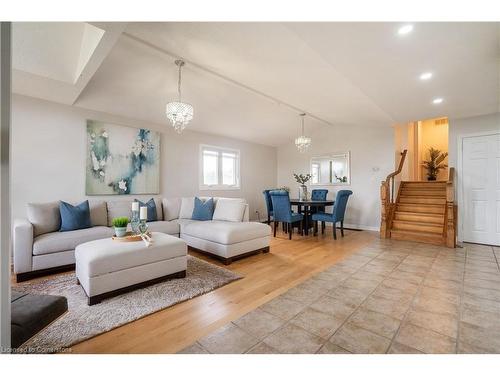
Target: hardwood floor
pixel 265 277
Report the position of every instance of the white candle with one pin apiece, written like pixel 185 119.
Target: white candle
pixel 143 213
pixel 135 206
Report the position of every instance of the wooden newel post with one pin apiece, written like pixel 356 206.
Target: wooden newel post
pixel 384 198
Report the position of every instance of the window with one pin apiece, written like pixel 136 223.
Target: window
pixel 220 168
pixel 315 173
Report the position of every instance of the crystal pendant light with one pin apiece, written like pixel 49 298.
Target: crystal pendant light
pixel 179 113
pixel 302 142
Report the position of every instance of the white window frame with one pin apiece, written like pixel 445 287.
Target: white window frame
pixel 220 151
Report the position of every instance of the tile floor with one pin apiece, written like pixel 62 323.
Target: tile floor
pixel 390 297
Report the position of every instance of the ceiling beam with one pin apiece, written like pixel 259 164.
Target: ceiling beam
pixel 224 78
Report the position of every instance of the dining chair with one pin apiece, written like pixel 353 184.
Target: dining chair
pixel 319 194
pixel 336 216
pixel 269 205
pixel 282 212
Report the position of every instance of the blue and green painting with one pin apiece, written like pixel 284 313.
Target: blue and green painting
pixel 122 160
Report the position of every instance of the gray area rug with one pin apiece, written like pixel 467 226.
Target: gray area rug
pixel 83 322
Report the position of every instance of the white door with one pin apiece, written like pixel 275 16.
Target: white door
pixel 481 189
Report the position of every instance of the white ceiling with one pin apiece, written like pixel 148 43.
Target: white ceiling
pixel 250 80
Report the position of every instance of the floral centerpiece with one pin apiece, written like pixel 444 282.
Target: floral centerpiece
pixel 302 181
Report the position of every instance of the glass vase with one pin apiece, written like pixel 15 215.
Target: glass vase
pixel 134 222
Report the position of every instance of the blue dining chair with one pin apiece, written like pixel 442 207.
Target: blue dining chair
pixel 282 211
pixel 319 194
pixel 269 205
pixel 336 216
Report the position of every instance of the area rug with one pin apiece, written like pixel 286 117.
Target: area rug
pixel 83 322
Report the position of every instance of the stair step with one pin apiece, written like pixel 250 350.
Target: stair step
pixel 421 208
pixel 424 200
pixel 436 218
pixel 423 184
pixel 423 192
pixel 406 235
pixel 417 226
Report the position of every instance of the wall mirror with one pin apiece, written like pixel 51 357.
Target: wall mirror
pixel 331 169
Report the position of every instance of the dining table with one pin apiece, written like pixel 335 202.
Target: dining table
pixel 304 207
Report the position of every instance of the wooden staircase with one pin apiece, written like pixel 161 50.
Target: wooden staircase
pixel 421 211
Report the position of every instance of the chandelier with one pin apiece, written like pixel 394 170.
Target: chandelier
pixel 179 113
pixel 302 142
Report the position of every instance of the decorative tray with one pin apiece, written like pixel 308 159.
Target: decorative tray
pixel 130 237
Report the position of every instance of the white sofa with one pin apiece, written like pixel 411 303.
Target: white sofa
pixel 39 248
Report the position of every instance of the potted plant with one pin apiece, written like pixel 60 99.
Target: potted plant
pixel 435 163
pixel 302 180
pixel 120 225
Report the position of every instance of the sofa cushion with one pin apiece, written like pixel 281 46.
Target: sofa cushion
pixel 62 241
pixel 225 232
pixel 171 208
pixel 203 211
pixel 120 208
pixel 168 227
pixel 45 217
pixel 187 207
pixel 74 217
pixel 98 213
pixel 229 209
pixel 151 206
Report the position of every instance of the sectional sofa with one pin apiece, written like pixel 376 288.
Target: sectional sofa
pixel 40 248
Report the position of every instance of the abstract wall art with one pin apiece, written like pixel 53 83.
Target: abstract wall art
pixel 122 160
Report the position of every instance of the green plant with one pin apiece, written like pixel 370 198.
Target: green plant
pixel 302 179
pixel 285 188
pixel 435 163
pixel 120 222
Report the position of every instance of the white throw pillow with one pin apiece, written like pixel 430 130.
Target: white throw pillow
pixel 228 209
pixel 187 207
pixel 171 208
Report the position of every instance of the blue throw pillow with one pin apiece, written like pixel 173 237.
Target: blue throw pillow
pixel 151 205
pixel 74 217
pixel 203 211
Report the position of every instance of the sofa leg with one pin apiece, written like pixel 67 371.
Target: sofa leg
pixel 77 281
pixel 228 261
pixel 266 249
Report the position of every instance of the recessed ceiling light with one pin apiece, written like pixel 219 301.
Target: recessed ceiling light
pixel 425 76
pixel 403 30
pixel 437 101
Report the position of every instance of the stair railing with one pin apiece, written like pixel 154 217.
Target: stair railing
pixel 451 211
pixel 387 197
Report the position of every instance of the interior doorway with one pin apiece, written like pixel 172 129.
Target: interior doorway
pixel 426 142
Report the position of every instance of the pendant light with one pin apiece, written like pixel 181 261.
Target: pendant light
pixel 179 113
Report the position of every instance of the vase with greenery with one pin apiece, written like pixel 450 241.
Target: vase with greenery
pixel 120 225
pixel 435 163
pixel 302 181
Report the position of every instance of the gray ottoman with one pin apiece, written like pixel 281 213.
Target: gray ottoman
pixel 106 268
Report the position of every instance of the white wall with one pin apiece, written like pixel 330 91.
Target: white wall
pixel 48 157
pixel 372 159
